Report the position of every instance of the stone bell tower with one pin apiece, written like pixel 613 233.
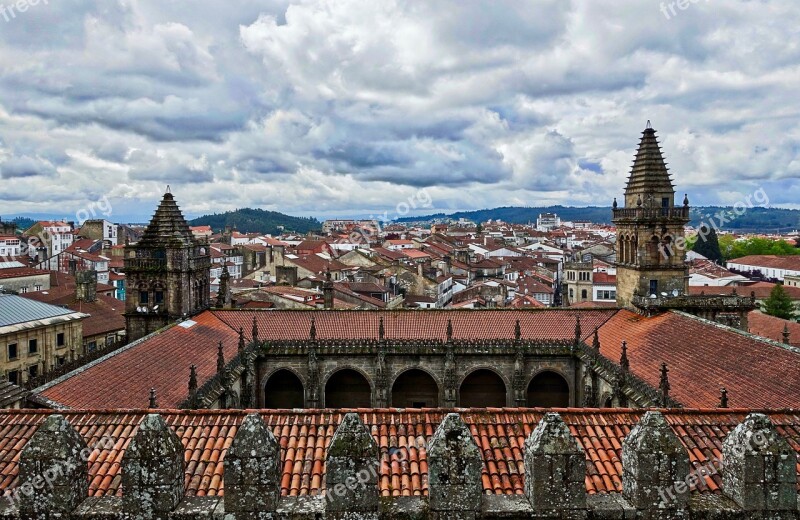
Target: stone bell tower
pixel 648 260
pixel 168 272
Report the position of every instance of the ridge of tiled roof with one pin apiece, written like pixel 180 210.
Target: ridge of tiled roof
pixel 401 435
pixel 536 324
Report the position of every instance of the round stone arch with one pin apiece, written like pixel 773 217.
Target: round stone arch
pixel 361 399
pixel 399 373
pixel 556 371
pixel 483 368
pixel 606 399
pixel 264 380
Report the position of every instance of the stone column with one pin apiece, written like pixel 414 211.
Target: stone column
pixel 252 470
pixel 455 469
pixel 153 470
pixel 759 465
pixel 655 467
pixel 53 470
pixel 555 470
pixel 351 472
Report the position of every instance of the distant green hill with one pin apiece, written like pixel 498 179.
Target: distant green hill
pixel 755 219
pixel 257 221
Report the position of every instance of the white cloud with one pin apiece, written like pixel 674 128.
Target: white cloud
pixel 335 106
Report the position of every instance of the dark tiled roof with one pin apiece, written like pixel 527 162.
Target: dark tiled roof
pixel 703 357
pixel 772 328
pixel 305 435
pixel 545 324
pixel 162 362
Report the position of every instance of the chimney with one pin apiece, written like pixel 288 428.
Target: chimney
pixel 86 286
pixel 327 290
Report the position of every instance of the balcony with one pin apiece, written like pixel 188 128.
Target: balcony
pixel 674 213
pixel 145 264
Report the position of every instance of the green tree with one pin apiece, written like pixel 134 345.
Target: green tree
pixel 779 304
pixel 707 244
pixel 479 229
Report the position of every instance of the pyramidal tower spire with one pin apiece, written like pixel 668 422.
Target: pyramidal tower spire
pixel 649 180
pixel 167 223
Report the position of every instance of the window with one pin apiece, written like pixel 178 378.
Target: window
pixel 159 297
pixel 92 346
pixel 653 286
pixel 583 294
pixel 144 298
pixel 38 287
pixel 60 339
pixel 33 371
pixel 23 290
pixel 60 360
pixel 12 351
pixel 33 346
pixel 13 376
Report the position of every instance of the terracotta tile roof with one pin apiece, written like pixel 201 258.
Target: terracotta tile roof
pixel 162 362
pixel 106 314
pixel 770 261
pixel 762 290
pixel 604 278
pixel 702 358
pixel 545 324
pixel 401 435
pixel 17 272
pixel 771 327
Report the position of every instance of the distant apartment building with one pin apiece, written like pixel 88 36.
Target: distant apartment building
pixel 332 226
pixel 22 280
pixel 10 246
pixel 101 229
pixel 791 280
pixel 769 266
pixel 47 239
pixel 35 337
pixel 547 222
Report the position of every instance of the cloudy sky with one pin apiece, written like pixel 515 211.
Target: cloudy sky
pixel 340 107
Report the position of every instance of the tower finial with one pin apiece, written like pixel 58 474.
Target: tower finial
pixel 449 330
pixel 623 360
pixel 596 339
pixel 517 331
pixel 313 332
pixel 649 126
pixel 153 403
pixel 192 379
pixel 664 384
pixel 220 359
pixel 168 189
pixel 381 330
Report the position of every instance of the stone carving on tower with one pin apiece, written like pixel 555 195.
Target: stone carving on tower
pixel 168 273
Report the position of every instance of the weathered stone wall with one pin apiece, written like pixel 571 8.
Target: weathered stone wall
pixel 758 468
